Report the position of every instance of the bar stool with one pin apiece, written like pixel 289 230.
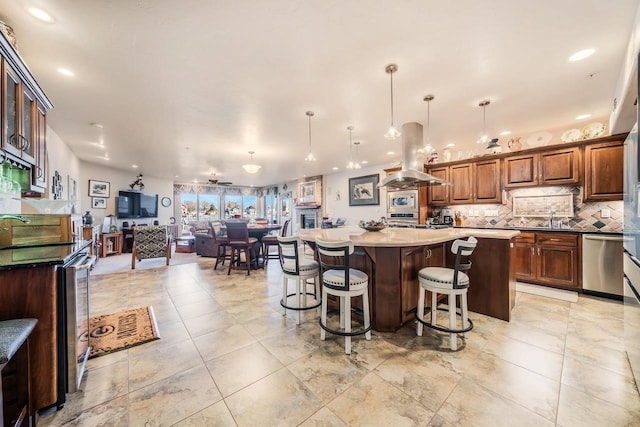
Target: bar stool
pixel 340 280
pixel 449 281
pixel 272 240
pixel 240 242
pixel 15 390
pixel 299 269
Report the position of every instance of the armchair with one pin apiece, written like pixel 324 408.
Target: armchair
pixel 150 241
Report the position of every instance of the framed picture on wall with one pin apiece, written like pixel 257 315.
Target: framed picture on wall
pixel 307 192
pixel 99 188
pixel 363 190
pixel 99 202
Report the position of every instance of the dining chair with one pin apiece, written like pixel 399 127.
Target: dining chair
pixel 240 243
pixel 268 241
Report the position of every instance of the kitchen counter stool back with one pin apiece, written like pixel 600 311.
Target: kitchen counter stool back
pixel 344 282
pixel 452 282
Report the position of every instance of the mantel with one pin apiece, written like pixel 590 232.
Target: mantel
pixel 303 207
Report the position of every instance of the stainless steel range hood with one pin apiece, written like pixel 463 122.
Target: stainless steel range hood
pixel 411 175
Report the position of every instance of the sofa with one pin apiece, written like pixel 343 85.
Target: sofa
pixel 205 244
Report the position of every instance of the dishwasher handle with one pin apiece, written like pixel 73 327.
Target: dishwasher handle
pixel 603 238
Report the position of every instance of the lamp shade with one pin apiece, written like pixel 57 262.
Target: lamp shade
pixel 251 168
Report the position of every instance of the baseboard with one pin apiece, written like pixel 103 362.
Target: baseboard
pixel 545 291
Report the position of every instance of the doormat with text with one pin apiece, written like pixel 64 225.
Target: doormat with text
pixel 114 332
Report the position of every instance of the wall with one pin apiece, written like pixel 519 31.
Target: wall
pixel 120 180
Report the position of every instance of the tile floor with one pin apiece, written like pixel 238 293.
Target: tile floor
pixel 227 357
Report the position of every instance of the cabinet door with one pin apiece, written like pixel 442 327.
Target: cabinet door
pixel 10 118
pixel 557 265
pixel 560 167
pixel 462 180
pixel 38 171
pixel 438 195
pixel 412 260
pixel 27 125
pixel 525 261
pixel 436 255
pixel 487 182
pixel 603 172
pixel 521 171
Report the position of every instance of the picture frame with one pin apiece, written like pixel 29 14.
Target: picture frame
pixel 72 193
pixel 364 191
pixel 99 188
pixel 307 193
pixel 99 202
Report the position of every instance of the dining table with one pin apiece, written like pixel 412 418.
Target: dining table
pixel 258 231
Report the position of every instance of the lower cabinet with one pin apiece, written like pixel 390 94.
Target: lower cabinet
pixel 548 258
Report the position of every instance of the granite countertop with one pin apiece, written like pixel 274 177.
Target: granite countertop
pixel 544 229
pixel 36 256
pixel 401 237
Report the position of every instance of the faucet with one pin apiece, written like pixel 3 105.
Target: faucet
pixel 551 213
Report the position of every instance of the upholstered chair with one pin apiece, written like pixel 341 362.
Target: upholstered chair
pixel 150 241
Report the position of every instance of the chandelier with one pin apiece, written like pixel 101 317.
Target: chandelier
pixel 428 147
pixel 251 167
pixel 310 157
pixel 484 139
pixel 392 132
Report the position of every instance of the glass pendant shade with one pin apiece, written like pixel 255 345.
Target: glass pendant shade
pixel 356 163
pixel 251 168
pixel 310 157
pixel 350 164
pixel 484 139
pixel 392 132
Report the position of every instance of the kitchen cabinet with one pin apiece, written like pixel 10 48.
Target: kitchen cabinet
pixel 39 169
pixel 477 182
pixel 603 172
pixel 555 167
pixel 110 243
pixel 438 195
pixel 19 118
pixel 549 258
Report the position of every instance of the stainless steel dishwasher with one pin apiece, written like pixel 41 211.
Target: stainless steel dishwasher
pixel 602 265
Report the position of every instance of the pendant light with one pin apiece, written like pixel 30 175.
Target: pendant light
pixel 427 147
pixel 350 164
pixel 484 139
pixel 251 167
pixel 392 132
pixel 310 157
pixel 356 164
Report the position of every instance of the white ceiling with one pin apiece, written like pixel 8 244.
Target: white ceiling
pixel 189 87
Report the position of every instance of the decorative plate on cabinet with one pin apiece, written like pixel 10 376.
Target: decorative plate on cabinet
pixel 571 135
pixel 593 130
pixel 539 139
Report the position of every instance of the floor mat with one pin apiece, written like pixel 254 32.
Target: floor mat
pixel 117 331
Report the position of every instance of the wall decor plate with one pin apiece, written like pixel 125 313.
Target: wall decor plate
pixel 593 130
pixel 539 139
pixel 571 135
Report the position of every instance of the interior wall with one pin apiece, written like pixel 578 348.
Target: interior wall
pixel 120 180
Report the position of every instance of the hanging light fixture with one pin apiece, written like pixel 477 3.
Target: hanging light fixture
pixel 251 167
pixel 484 139
pixel 350 164
pixel 356 164
pixel 428 147
pixel 392 132
pixel 310 157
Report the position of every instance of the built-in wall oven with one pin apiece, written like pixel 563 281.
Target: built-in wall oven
pixel 73 321
pixel 403 208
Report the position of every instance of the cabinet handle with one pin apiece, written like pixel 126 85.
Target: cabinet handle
pixel 40 172
pixel 554 240
pixel 12 140
pixel 538 251
pixel 26 143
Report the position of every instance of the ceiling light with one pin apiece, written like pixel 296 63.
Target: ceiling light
pixel 134 166
pixel 392 132
pixel 428 100
pixel 505 132
pixel 391 153
pixel 451 145
pixel 364 162
pixel 582 54
pixel 40 14
pixel 310 157
pixel 350 164
pixel 251 167
pixel 356 164
pixel 583 116
pixel 484 139
pixel 65 72
pixel 335 168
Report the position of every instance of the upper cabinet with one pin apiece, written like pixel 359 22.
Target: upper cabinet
pixel 556 167
pixel 603 172
pixel 439 194
pixel 474 182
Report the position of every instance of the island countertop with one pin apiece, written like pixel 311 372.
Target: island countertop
pixel 402 237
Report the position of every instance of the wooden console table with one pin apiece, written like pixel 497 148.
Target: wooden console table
pixel 111 244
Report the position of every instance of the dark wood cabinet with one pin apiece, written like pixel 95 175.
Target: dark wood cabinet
pixel 39 169
pixel 462 180
pixel 548 258
pixel 477 182
pixel 603 172
pixel 19 118
pixel 555 167
pixel 438 195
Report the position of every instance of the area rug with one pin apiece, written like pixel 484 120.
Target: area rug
pixel 118 331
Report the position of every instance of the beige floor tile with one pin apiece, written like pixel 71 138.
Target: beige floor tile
pixel 209 322
pixel 279 399
pixel 174 398
pixel 583 410
pixel 323 418
pixel 533 391
pixel 526 332
pixel 240 368
pixel 107 359
pixel 293 346
pixel 223 341
pixel 614 359
pixel 372 401
pixel 216 415
pixel 112 413
pixel 199 308
pixel 471 405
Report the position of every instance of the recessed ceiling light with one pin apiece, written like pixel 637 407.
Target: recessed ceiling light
pixel 40 14
pixel 335 168
pixel 451 145
pixel 66 72
pixel 391 153
pixel 583 116
pixel 505 132
pixel 364 162
pixel 195 180
pixel 134 166
pixel 582 54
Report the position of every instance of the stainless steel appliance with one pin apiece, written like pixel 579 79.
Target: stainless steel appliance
pixel 602 265
pixel 403 201
pixel 73 321
pixel 446 217
pixel 403 219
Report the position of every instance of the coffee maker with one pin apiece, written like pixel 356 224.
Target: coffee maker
pixel 446 217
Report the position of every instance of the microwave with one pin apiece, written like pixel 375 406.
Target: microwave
pixel 402 201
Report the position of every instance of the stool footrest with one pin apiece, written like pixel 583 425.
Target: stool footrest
pixel 300 308
pixel 343 333
pixel 442 328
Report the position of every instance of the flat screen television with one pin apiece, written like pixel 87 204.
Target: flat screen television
pixel 133 204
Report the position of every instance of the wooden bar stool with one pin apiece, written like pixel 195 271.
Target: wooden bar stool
pixel 15 372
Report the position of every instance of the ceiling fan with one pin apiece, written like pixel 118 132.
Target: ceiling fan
pixel 213 180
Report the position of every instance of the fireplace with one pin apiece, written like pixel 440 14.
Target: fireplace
pixel 308 220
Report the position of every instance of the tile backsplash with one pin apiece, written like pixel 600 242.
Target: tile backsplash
pixel 587 216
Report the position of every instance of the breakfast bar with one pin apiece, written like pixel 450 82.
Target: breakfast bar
pixel 393 257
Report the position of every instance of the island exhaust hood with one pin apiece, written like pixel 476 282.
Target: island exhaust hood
pixel 411 175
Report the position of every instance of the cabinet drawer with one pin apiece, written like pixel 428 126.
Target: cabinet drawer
pixel 525 237
pixel 558 239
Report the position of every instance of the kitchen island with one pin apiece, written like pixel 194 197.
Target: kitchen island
pixel 393 257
